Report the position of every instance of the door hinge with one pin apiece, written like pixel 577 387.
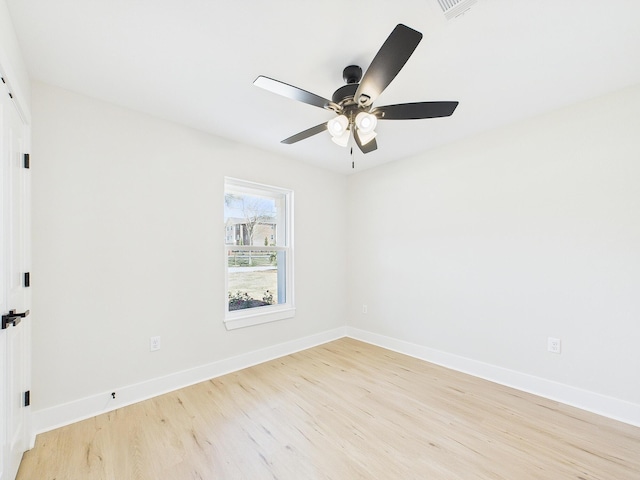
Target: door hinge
pixel 27 279
pixel 27 398
pixel 26 160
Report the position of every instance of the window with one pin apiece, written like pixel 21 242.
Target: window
pixel 258 253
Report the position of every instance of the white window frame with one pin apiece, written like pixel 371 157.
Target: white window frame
pixel 269 313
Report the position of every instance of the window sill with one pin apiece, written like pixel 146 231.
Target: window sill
pixel 241 320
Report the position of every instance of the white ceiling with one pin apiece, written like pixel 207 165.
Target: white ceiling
pixel 194 62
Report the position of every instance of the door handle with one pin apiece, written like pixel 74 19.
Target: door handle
pixel 13 318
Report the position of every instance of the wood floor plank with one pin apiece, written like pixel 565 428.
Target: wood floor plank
pixel 343 410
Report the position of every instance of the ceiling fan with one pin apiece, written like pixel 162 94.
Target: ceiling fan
pixel 353 103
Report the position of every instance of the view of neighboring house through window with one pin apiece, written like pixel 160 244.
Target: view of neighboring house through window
pixel 259 253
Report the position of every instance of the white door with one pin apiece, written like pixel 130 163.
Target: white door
pixel 14 292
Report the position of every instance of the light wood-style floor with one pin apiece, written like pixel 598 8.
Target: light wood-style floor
pixel 343 410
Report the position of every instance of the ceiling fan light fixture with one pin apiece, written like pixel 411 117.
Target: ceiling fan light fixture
pixel 353 103
pixel 338 126
pixel 366 122
pixel 365 137
pixel 342 140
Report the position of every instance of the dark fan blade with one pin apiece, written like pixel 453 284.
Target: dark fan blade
pixel 290 91
pixel 368 147
pixel 310 132
pixel 389 60
pixel 415 111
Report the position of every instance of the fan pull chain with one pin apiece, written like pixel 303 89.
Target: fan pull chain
pixel 353 164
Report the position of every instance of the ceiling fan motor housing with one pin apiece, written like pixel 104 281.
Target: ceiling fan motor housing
pixel 344 93
pixel 352 76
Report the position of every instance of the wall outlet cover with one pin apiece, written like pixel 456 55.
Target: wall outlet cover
pixel 553 345
pixel 154 343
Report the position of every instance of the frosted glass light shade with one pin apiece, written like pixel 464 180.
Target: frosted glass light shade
pixel 366 122
pixel 337 126
pixel 343 139
pixel 365 137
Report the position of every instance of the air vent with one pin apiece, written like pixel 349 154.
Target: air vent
pixel 453 8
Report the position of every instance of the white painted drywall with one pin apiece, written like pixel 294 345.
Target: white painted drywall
pixel 481 249
pixel 127 243
pixel 11 63
pixel 484 248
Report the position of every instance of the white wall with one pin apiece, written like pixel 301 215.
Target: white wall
pixel 523 233
pixel 11 64
pixel 484 248
pixel 128 242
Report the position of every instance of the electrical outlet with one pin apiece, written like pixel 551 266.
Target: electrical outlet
pixel 154 344
pixel 553 345
pixel 364 308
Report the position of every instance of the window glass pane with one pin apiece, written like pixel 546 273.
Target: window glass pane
pixel 258 246
pixel 254 220
pixel 256 278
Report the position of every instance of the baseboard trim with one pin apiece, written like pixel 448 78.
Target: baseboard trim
pixel 610 407
pixel 68 413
